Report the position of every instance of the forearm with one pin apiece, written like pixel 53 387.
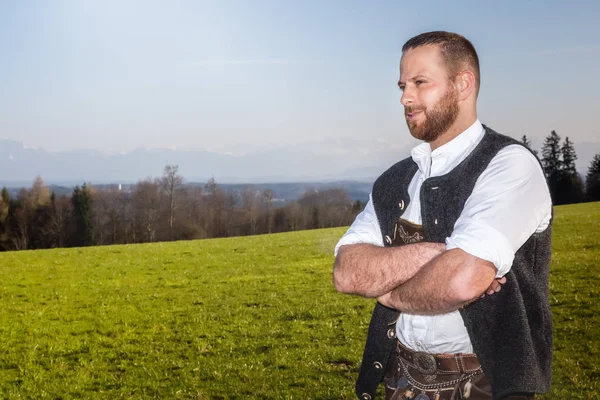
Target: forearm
pixel 372 271
pixel 445 284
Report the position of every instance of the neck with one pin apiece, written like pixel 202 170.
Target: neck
pixel 458 127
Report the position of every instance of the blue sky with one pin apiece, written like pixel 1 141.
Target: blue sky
pixel 246 75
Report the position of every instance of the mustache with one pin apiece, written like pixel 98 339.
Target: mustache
pixel 412 109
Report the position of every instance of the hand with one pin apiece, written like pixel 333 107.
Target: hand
pixel 495 287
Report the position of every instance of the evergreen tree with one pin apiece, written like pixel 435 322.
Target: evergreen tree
pixel 592 180
pixel 5 195
pixel 527 143
pixel 40 234
pixel 568 157
pixel 570 185
pixel 4 204
pixel 551 152
pixel 82 211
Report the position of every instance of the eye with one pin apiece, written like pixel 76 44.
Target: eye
pixel 401 87
pixel 419 82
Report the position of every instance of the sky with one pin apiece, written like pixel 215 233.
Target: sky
pixel 243 76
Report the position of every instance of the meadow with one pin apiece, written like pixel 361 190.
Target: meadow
pixel 237 318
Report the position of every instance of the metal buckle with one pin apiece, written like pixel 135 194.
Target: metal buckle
pixel 425 363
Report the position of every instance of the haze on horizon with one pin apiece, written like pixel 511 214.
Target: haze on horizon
pixel 237 76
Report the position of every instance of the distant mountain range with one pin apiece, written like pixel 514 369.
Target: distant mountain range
pixel 20 164
pixel 331 161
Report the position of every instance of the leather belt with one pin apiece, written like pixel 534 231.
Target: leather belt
pixel 430 364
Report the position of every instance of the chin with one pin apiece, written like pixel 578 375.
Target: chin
pixel 416 132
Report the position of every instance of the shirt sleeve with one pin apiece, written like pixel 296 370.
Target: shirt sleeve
pixel 364 229
pixel 510 202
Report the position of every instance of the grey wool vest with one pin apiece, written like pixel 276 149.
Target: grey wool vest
pixel 511 331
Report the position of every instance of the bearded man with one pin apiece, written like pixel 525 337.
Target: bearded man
pixel 467 214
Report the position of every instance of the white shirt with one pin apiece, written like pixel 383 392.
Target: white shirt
pixel 510 201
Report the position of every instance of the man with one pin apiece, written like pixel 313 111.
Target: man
pixel 468 211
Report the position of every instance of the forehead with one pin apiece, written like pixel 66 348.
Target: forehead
pixel 424 60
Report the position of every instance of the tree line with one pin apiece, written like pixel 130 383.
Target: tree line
pixel 161 209
pixel 565 183
pixel 164 209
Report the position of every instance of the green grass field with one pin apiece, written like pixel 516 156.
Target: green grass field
pixel 238 318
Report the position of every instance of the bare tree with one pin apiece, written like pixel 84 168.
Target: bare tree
pixel 268 196
pixel 101 209
pixel 39 194
pixel 61 208
pixel 328 208
pixel 193 202
pixel 170 184
pixel 127 216
pixel 250 202
pixel 146 202
pixel 230 215
pixel 215 205
pixel 294 212
pixel 20 220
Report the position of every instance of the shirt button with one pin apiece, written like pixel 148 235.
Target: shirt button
pixel 366 396
pixel 391 333
pixel 419 344
pixel 377 365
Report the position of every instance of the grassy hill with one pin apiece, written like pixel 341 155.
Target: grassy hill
pixel 254 317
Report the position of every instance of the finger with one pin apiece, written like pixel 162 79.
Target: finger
pixel 502 280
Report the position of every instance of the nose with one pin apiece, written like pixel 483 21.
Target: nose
pixel 407 98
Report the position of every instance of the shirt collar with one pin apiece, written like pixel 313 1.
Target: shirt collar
pixel 451 152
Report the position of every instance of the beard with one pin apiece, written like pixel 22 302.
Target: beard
pixel 437 120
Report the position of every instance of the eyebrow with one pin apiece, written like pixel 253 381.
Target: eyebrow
pixel 414 78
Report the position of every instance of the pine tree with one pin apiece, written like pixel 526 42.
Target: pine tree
pixel 592 180
pixel 551 152
pixel 82 211
pixel 570 185
pixel 4 204
pixel 5 195
pixel 527 143
pixel 568 157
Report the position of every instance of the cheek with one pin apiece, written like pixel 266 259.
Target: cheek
pixel 431 96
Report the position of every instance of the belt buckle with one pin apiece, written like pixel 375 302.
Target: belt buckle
pixel 425 363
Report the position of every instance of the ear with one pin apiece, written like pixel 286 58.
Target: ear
pixel 465 83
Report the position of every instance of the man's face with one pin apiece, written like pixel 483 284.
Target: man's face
pixel 429 96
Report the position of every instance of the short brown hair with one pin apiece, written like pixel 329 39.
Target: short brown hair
pixel 457 51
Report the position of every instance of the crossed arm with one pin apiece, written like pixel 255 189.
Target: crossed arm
pixel 419 278
pixel 509 202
